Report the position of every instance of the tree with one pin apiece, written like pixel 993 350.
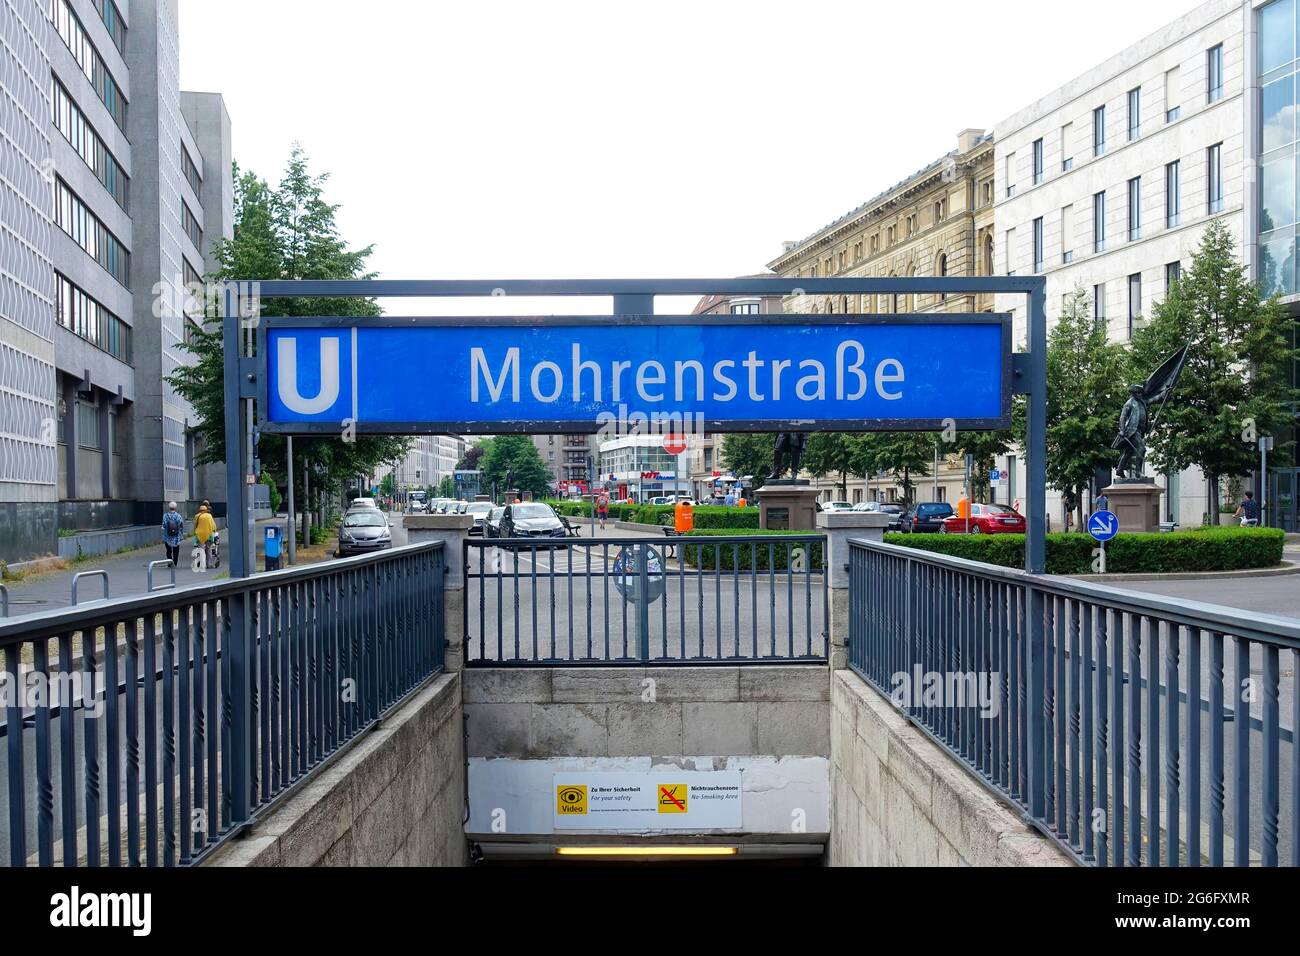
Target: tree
pixel 388 486
pixel 1086 388
pixel 903 455
pixel 749 454
pixel 512 462
pixel 1235 385
pixel 473 455
pixel 447 488
pixel 288 232
pixel 984 448
pixel 835 453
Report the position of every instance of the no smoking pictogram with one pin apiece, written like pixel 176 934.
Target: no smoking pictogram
pixel 672 798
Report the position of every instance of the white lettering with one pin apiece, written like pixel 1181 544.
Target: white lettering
pixel 680 368
pixel 818 378
pixel 644 378
pixel 478 363
pixel 723 379
pixel 534 381
pixel 842 371
pixel 286 353
pixel 753 363
pixel 894 375
pixel 619 369
pixel 579 366
pixel 778 365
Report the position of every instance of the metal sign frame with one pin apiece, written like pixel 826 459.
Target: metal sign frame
pixel 631 297
pixel 590 426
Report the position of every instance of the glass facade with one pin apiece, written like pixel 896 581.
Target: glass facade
pixel 83 316
pixel 76 129
pixel 88 58
pixel 85 229
pixel 1278 153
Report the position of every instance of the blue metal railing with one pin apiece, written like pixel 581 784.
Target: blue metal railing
pixel 1148 730
pixel 576 601
pixel 159 710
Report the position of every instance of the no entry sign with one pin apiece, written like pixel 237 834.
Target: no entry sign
pixel 525 374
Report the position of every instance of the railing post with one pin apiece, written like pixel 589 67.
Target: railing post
pixel 1036 543
pixel 839 527
pixel 452 531
pixel 643 604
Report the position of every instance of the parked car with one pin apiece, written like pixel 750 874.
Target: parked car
pixel 531 519
pixel 363 530
pixel 928 516
pixel 837 506
pixel 867 506
pixel 358 503
pixel 986 519
pixel 897 516
pixel 492 523
pixel 480 510
pixel 661 500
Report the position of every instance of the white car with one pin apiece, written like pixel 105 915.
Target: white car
pixel 867 506
pixel 363 503
pixel 837 506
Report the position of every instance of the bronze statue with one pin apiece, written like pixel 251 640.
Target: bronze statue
pixel 788 452
pixel 1135 419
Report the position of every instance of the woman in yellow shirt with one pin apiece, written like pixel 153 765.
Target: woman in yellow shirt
pixel 204 525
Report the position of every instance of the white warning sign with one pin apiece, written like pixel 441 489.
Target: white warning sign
pixel 690 800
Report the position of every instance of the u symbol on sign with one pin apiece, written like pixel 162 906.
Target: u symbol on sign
pixel 287 378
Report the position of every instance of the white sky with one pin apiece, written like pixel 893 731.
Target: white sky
pixel 616 139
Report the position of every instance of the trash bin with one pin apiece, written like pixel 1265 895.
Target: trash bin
pixel 683 517
pixel 272 538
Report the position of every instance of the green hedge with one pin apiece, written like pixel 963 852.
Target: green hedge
pixel 740 555
pixel 583 509
pixel 1201 549
pixel 706 516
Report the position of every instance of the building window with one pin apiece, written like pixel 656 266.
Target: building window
pixel 1038 244
pixel 1011 175
pixel 987 192
pixel 191 172
pixel 85 317
pixel 69 120
pixel 1173 271
pixel 1067 147
pixel 1173 95
pixel 74 36
pixel 1067 233
pixel 744 308
pixel 988 253
pixel 112 18
pixel 1134 301
pixel 940 210
pixel 87 424
pixel 1011 244
pixel 191 226
pixel 1171 195
pixel 1098 222
pixel 1135 208
pixel 1099 131
pixel 1038 161
pixel 1134 113
pixel 1214 73
pixel 85 229
pixel 1214 177
pixel 1099 303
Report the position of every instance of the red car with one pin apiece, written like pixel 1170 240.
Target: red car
pixel 986 519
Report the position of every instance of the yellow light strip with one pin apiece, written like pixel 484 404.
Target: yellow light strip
pixel 645 850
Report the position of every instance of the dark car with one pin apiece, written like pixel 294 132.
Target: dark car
pixel 363 531
pixel 492 523
pixel 531 519
pixel 927 517
pixel 897 516
pixel 479 510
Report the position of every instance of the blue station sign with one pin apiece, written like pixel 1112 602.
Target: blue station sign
pixel 583 374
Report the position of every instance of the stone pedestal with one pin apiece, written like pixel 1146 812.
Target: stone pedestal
pixel 839 527
pixel 787 506
pixel 1137 506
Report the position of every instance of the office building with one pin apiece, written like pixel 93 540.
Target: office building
pixel 115 185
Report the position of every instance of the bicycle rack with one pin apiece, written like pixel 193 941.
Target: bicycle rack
pixel 149 575
pixel 89 574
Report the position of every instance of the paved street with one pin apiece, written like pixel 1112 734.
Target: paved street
pixel 127 574
pixel 1278 594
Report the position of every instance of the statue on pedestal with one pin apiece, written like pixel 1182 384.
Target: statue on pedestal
pixel 1136 420
pixel 788 452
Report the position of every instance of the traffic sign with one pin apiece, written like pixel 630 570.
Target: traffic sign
pixel 1103 525
pixel 674 444
pixel 995 478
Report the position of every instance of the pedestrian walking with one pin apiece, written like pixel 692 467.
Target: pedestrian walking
pixel 205 526
pixel 1103 502
pixel 602 510
pixel 173 529
pixel 1248 511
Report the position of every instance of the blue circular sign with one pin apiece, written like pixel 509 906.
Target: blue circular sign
pixel 1103 525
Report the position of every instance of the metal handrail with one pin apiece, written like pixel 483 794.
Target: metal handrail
pixel 51 623
pixel 149 575
pixel 4 601
pixel 98 573
pixel 1267 628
